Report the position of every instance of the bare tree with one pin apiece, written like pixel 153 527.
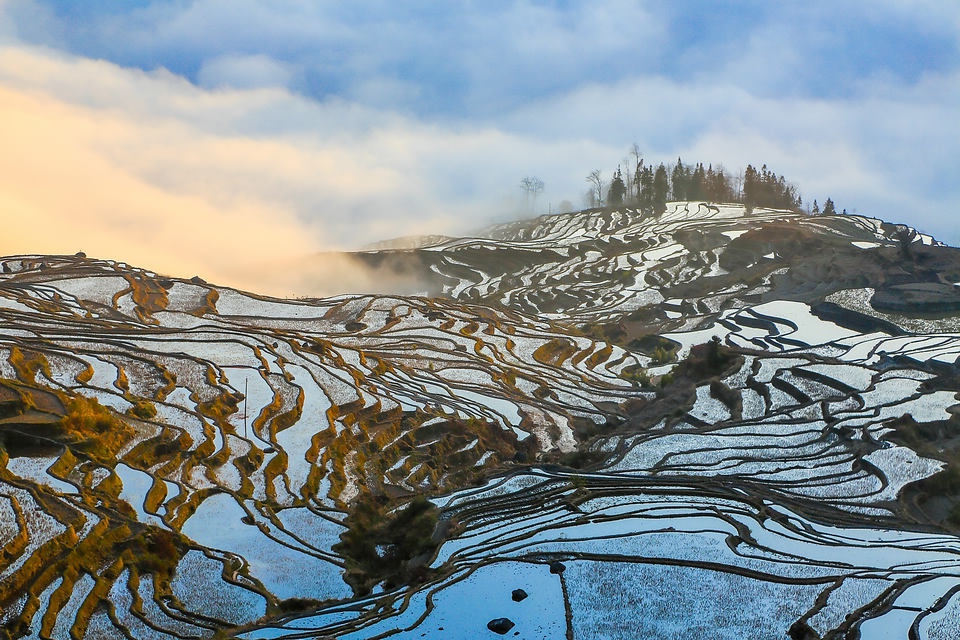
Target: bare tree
pixel 632 193
pixel 597 185
pixel 531 186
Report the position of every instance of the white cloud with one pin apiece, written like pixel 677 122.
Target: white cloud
pixel 148 168
pixel 244 72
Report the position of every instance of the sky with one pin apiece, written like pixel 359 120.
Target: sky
pixel 228 138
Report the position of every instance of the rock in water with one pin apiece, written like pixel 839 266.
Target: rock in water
pixel 518 595
pixel 500 625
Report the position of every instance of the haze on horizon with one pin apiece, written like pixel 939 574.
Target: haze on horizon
pixel 230 138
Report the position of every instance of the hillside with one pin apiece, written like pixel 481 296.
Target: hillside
pixel 703 424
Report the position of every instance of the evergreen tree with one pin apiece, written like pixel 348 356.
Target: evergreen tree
pixel 750 187
pixel 638 182
pixel 816 209
pixel 645 190
pixel 696 189
pixel 678 180
pixel 828 208
pixel 617 189
pixel 660 190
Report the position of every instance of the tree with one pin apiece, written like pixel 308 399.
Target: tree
pixel 617 189
pixel 531 186
pixel 597 186
pixel 679 179
pixel 637 167
pixel 696 187
pixel 905 236
pixel 660 189
pixel 750 187
pixel 816 209
pixel 828 208
pixel 645 190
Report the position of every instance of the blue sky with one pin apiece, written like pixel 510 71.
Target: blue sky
pixel 473 60
pixel 424 116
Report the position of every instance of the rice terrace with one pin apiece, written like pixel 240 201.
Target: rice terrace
pixel 185 460
pixel 365 321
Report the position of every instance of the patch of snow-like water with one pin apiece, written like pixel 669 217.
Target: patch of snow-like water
pixel 901 466
pixel 708 408
pixel 68 611
pixel 318 532
pixel 41 527
pixel 44 600
pixel 625 601
pixel 136 484
pixel 199 585
pixel 897 622
pixel 942 624
pixel 734 233
pixel 810 330
pixel 15 305
pixel 99 289
pixel 104 373
pixel 35 469
pixel 285 572
pixel 295 440
pixel 459 614
pixel 235 303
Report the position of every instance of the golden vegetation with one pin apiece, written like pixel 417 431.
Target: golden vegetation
pixel 93 428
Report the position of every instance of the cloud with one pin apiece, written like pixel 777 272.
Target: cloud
pixel 150 169
pixel 423 56
pixel 244 72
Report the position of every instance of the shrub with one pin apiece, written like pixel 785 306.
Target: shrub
pixel 93 427
pixel 156 551
pixel 636 375
pixel 662 356
pixel 143 410
pixel 382 546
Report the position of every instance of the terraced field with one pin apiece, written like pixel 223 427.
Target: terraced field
pixel 183 460
pixel 677 270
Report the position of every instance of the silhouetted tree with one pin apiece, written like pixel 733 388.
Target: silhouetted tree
pixel 531 186
pixel 750 187
pixel 696 187
pixel 679 179
pixel 905 236
pixel 660 189
pixel 617 189
pixel 645 190
pixel 633 183
pixel 597 185
pixel 828 208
